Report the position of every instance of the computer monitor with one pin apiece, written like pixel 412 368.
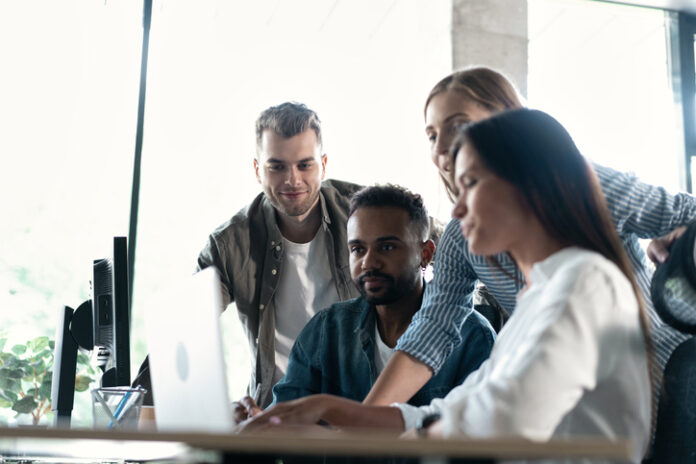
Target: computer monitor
pixel 104 323
pixel 111 315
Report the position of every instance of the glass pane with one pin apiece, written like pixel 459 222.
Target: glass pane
pixel 602 70
pixel 692 158
pixel 68 92
pixel 365 67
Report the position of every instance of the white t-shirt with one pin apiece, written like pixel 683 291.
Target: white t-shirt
pixel 570 362
pixel 382 351
pixel 305 286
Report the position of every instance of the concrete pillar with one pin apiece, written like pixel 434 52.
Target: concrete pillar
pixel 491 33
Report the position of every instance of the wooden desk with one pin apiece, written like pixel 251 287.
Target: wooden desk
pixel 109 446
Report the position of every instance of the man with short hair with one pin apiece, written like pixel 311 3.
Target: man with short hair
pixel 342 350
pixel 284 257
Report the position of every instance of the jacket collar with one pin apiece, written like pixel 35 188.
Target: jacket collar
pixel 368 319
pixel 325 218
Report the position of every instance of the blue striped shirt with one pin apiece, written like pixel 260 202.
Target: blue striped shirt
pixel 639 211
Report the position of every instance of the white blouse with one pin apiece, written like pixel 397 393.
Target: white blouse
pixel 570 362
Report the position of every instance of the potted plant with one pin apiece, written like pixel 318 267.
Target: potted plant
pixel 26 372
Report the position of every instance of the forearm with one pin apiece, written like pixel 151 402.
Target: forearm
pixel 434 329
pixel 340 412
pixel 646 210
pixel 401 378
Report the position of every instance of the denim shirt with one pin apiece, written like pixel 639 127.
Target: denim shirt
pixel 335 354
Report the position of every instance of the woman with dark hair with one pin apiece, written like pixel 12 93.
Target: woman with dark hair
pixel 571 360
pixel 637 210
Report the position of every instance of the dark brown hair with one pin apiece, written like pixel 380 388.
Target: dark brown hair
pixel 534 152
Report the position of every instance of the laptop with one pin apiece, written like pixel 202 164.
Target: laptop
pixel 187 366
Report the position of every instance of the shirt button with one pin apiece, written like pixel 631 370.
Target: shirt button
pixel 257 340
pixel 278 248
pixel 274 272
pixel 261 306
pixel 272 242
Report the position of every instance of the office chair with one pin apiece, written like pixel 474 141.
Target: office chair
pixel 673 291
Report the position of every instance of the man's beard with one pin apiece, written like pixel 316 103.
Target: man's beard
pixel 293 210
pixel 395 288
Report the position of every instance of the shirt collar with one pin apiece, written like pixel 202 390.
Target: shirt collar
pixel 324 209
pixel 543 270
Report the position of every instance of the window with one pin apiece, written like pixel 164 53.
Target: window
pixel 365 67
pixel 602 70
pixel 68 93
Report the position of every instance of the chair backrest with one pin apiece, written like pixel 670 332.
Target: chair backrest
pixel 673 288
pixel 675 432
pixel 673 291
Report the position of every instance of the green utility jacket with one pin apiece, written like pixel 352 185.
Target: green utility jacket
pixel 248 252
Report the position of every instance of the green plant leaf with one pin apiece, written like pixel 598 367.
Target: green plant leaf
pixel 19 364
pixel 2 343
pixel 52 345
pixel 8 395
pixel 19 349
pixel 38 344
pixel 82 383
pixel 32 392
pixel 25 405
pixel 5 403
pixel 45 354
pixel 39 366
pixel 45 388
pixel 7 359
pixel 82 359
pixel 9 373
pixel 10 384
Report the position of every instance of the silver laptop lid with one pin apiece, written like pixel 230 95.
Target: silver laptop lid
pixel 186 359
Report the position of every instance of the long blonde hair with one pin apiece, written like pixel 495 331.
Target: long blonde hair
pixel 481 85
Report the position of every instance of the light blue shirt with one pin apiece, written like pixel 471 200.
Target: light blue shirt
pixel 639 211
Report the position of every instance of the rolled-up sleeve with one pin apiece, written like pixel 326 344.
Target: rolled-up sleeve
pixel 435 329
pixel 646 210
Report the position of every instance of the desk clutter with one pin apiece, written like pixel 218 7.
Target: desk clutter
pixel 117 407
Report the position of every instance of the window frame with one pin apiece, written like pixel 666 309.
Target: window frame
pixel 681 40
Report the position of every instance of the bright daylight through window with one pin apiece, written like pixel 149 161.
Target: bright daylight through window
pixel 366 66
